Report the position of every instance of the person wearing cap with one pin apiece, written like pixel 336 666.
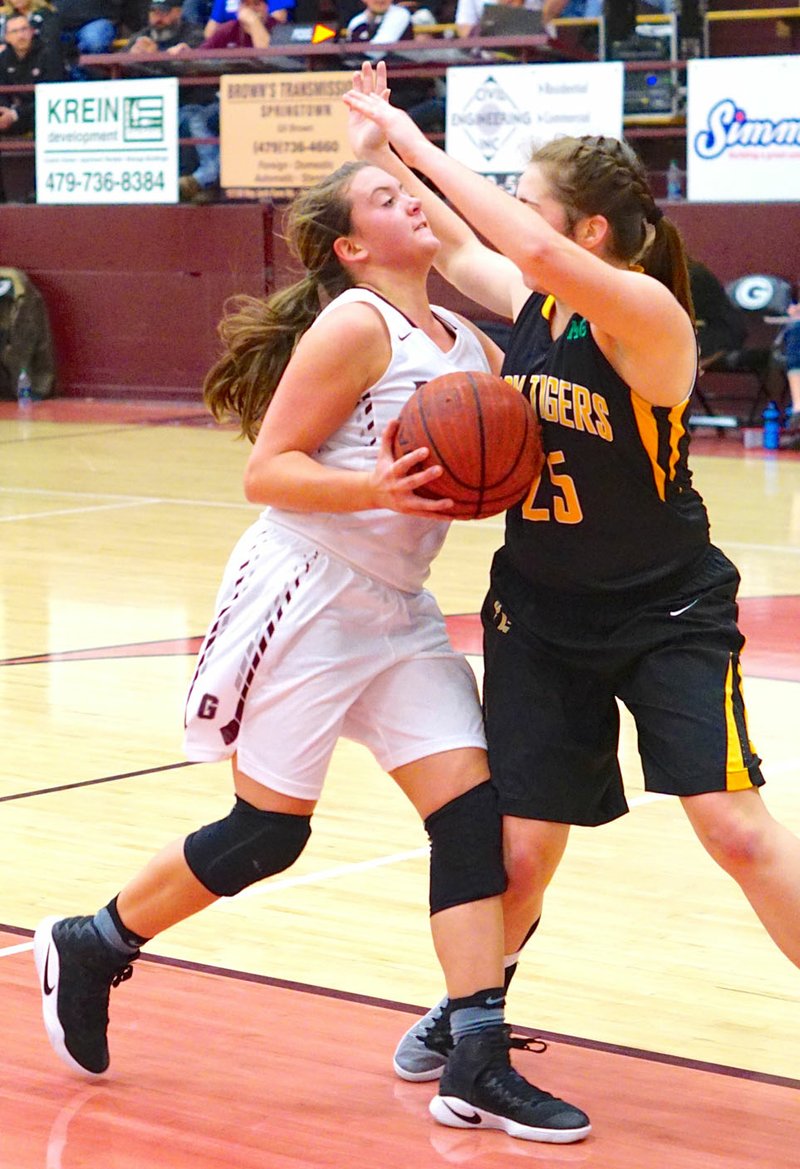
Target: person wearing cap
pixel 167 31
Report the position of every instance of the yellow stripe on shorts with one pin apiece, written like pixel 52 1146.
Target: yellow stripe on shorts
pixel 737 777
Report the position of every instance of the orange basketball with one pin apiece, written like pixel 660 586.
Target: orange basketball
pixel 483 434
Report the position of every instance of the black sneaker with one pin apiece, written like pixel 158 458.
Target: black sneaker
pixel 76 971
pixel 422 1052
pixel 480 1089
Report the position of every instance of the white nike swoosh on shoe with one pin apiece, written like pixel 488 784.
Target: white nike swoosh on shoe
pixel 677 612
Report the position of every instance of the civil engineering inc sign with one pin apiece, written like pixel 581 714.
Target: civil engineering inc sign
pixel 107 141
pixel 496 114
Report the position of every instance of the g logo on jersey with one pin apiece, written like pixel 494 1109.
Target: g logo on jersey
pixel 209 704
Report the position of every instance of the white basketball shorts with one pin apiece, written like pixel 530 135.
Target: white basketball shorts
pixel 304 649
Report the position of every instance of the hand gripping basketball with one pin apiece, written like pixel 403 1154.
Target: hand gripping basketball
pixel 482 432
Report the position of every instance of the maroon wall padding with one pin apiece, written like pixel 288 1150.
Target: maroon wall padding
pixel 135 293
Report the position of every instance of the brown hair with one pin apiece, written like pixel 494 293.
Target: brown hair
pixel 260 335
pixel 594 175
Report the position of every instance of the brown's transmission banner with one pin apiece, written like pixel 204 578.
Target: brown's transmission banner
pixel 279 132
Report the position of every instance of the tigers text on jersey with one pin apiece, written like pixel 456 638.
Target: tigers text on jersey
pixel 397 549
pixel 614 508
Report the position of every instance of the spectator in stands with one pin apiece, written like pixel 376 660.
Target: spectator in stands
pixel 43 18
pixel 552 9
pixel 88 26
pixel 249 30
pixel 166 32
pixel 24 60
pixel 382 22
pixel 385 22
pixel 222 11
pixel 469 12
pixel 169 32
pixel 721 327
pixel 791 349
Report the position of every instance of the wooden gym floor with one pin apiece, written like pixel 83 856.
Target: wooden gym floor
pixel 260 1033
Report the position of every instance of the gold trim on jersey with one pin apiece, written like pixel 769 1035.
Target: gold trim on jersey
pixel 651 429
pixel 737 777
pixel 547 306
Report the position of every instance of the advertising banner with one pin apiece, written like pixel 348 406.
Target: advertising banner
pixel 743 130
pixel 496 114
pixel 107 141
pixel 279 133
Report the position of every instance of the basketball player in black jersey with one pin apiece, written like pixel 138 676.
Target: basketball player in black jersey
pixel 607 586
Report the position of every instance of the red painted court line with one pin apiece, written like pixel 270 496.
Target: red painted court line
pixel 770 624
pixel 218 1071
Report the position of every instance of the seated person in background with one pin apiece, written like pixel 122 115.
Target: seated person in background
pixel 167 31
pixel 44 19
pixel 721 327
pixel 250 29
pixel 24 60
pixel 223 11
pixel 198 112
pixel 469 12
pixel 384 22
pixel 791 349
pixel 552 9
pixel 88 26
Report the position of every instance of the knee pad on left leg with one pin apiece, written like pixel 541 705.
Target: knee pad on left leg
pixel 245 847
pixel 466 849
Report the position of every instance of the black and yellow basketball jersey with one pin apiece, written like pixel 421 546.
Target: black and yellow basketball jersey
pixel 614 509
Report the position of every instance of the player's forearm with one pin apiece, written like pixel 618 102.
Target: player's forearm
pixel 508 224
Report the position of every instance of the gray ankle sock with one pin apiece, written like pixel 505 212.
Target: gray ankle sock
pixel 106 928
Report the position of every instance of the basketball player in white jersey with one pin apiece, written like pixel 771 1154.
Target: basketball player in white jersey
pixel 323 628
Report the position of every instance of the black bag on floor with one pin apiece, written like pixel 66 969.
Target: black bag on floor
pixel 26 342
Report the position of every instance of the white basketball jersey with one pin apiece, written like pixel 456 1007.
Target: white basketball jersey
pixel 394 548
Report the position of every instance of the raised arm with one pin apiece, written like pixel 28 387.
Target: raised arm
pixel 469 265
pixel 641 327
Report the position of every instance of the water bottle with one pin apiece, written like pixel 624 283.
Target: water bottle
pixel 772 427
pixel 674 181
pixel 24 389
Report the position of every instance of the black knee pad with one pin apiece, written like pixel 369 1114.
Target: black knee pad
pixel 466 849
pixel 245 847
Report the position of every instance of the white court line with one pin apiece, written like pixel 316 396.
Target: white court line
pixel 9 950
pixel 324 875
pixel 132 499
pixel 793 549
pixel 44 515
pixel 361 866
pixel 270 887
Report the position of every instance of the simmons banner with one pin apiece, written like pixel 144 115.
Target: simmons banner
pixel 497 113
pixel 743 130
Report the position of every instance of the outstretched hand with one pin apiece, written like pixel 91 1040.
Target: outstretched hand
pixel 366 136
pixel 394 481
pixel 372 121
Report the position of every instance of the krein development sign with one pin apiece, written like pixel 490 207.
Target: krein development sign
pixel 107 141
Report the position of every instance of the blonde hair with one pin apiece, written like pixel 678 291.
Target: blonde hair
pixel 594 175
pixel 260 335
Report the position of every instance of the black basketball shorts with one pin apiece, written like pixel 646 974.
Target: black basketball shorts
pixel 550 705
